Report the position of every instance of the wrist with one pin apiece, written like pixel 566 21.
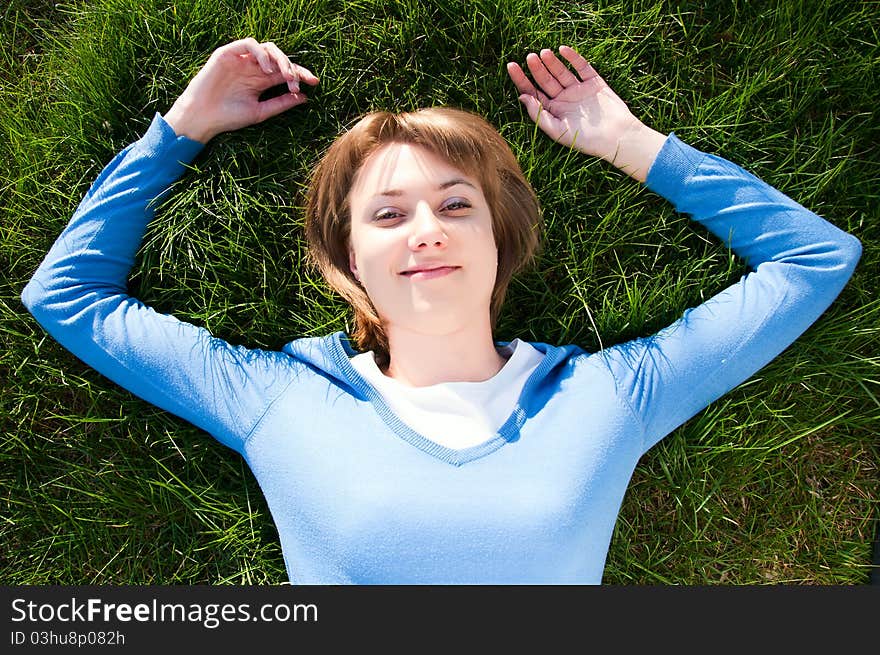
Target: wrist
pixel 183 120
pixel 637 148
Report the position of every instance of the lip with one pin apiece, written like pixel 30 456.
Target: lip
pixel 431 273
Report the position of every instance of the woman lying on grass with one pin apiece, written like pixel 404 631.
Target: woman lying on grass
pixel 419 449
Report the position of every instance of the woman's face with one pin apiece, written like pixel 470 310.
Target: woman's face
pixel 410 210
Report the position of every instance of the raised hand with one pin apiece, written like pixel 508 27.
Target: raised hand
pixel 224 95
pixel 583 112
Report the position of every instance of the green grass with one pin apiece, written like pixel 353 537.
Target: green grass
pixel 777 482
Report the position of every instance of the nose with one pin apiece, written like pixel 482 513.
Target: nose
pixel 427 229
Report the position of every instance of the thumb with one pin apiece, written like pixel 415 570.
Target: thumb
pixel 539 114
pixel 531 104
pixel 274 106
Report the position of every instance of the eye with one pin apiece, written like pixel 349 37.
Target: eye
pixel 385 215
pixel 457 204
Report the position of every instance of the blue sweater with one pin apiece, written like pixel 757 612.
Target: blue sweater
pixel 358 496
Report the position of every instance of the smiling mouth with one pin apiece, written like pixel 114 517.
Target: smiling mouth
pixel 431 273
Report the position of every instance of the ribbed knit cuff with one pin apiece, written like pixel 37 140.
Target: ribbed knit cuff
pixel 674 164
pixel 161 142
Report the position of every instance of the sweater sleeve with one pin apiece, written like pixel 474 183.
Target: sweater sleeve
pixel 78 295
pixel 798 264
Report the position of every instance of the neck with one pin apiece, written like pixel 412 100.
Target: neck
pixel 421 359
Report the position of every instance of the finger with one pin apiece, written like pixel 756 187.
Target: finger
pixel 301 74
pixel 279 60
pixel 259 53
pixel 559 70
pixel 305 75
pixel 281 103
pixel 239 47
pixel 293 73
pixel 533 107
pixel 285 67
pixel 539 114
pixel 522 83
pixel 581 65
pixel 542 76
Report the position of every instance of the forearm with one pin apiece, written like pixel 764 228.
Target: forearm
pixel 757 221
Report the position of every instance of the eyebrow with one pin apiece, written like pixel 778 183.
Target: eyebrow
pixel 441 187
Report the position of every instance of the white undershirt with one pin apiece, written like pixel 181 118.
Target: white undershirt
pixel 456 414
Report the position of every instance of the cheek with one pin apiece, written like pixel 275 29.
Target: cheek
pixel 373 255
pixel 488 245
pixel 494 257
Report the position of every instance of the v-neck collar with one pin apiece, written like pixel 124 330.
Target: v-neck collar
pixel 341 351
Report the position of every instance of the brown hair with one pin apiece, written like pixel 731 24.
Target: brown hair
pixel 466 141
